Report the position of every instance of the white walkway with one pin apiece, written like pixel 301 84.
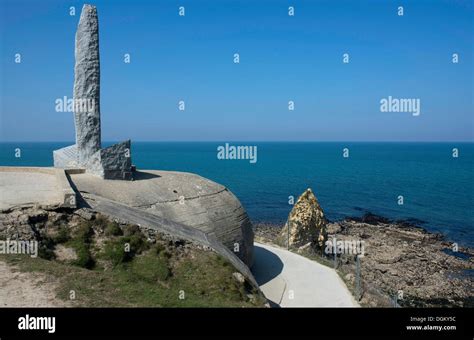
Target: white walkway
pixel 291 280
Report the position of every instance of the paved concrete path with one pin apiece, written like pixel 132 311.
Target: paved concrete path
pixel 291 280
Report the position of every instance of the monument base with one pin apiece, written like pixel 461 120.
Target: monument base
pixel 113 162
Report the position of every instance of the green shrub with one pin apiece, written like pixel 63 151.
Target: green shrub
pixel 81 244
pixel 116 250
pixel 84 257
pixel 166 254
pixel 132 229
pixel 100 222
pixel 84 232
pixel 45 248
pixel 113 229
pixel 137 243
pixel 62 236
pixel 159 248
pixel 47 243
pixel 45 252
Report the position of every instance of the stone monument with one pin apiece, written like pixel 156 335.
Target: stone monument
pixel 113 162
pixel 177 201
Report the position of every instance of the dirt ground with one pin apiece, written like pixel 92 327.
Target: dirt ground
pixel 26 289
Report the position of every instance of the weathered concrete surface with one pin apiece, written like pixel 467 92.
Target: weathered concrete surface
pixel 184 198
pixel 145 219
pixel 290 280
pixel 27 186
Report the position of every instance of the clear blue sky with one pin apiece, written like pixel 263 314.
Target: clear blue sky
pixel 282 58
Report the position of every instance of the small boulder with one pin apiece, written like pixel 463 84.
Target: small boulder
pixel 238 277
pixel 85 213
pixel 306 223
pixel 65 254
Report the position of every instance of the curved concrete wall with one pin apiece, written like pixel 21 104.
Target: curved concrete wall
pixel 184 198
pixel 148 220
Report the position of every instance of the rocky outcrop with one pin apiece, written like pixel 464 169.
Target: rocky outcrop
pixel 306 223
pixel 405 263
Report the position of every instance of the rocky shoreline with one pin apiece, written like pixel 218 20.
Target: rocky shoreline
pixel 403 264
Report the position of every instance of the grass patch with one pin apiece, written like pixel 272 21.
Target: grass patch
pixel 146 281
pixel 123 249
pixel 81 243
pixel 162 275
pixel 151 268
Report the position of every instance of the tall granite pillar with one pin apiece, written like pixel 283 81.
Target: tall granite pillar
pixel 113 162
pixel 87 85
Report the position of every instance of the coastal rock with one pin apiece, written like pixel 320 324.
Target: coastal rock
pixel 404 259
pixel 32 223
pixel 333 228
pixel 306 223
pixel 370 218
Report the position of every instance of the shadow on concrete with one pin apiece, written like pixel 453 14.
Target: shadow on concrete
pixel 80 201
pixel 142 175
pixel 266 265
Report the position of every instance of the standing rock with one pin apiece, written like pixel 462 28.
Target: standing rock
pixel 306 223
pixel 87 85
pixel 113 162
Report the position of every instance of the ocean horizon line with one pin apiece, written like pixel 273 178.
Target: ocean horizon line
pixel 256 141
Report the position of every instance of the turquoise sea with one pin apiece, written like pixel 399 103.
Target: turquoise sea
pixel 437 189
